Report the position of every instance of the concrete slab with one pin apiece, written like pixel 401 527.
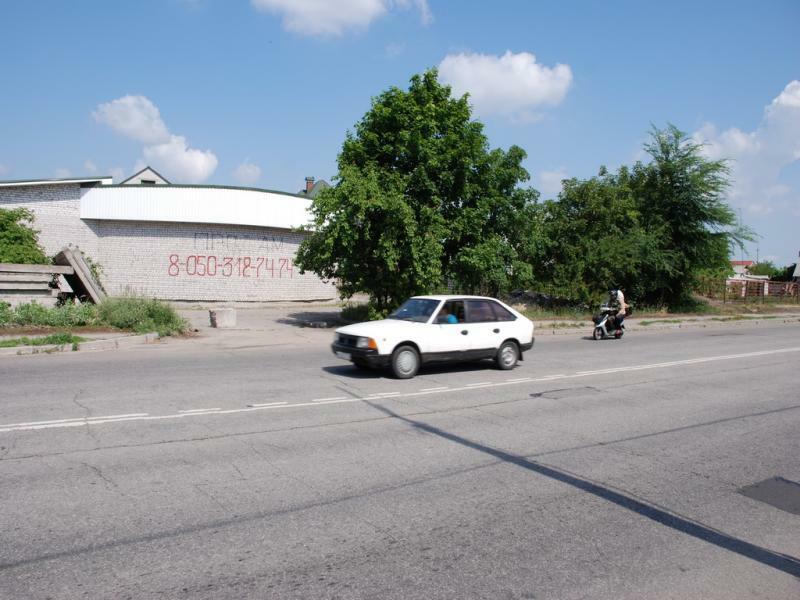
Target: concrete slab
pixel 81 281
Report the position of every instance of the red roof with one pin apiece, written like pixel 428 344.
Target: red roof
pixel 742 263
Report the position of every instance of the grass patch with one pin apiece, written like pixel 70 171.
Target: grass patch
pixel 746 318
pixel 659 321
pixel 140 315
pixel 54 339
pixel 564 325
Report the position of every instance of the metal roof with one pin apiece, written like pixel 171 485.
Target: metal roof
pixel 104 180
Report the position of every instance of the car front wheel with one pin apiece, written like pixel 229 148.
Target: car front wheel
pixel 405 362
pixel 507 356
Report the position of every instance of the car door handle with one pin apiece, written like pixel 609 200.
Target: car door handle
pixel 496 330
pixel 464 332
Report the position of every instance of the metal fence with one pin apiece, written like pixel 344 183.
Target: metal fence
pixel 753 291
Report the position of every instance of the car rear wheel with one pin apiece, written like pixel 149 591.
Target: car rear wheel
pixel 405 362
pixel 507 356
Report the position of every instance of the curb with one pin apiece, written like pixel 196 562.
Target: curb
pixel 91 346
pixel 542 329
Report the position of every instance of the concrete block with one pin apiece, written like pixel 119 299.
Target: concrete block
pixel 222 317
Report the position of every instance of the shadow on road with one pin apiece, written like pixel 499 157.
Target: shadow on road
pixel 323 319
pixel 776 560
pixel 353 372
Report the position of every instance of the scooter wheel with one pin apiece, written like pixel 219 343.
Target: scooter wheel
pixel 597 333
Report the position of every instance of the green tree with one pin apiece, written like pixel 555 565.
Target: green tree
pixel 681 197
pixel 366 237
pixel 766 267
pixel 18 243
pixel 592 239
pixel 419 200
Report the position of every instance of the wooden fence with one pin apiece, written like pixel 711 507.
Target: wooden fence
pixel 748 290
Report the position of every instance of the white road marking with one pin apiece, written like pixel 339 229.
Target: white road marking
pixel 329 399
pixel 80 422
pixel 197 410
pixel 336 401
pixel 434 389
pixel 77 420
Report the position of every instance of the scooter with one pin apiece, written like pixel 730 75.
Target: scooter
pixel 605 324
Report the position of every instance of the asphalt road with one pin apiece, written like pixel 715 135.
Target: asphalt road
pixel 267 468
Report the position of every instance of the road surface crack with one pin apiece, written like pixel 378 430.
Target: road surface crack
pixel 109 483
pixel 88 411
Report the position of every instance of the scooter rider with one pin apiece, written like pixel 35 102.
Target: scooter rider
pixel 617 300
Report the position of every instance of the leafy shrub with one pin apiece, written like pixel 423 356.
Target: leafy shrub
pixel 355 312
pixel 141 315
pixel 69 315
pixel 358 313
pixel 18 243
pixel 5 313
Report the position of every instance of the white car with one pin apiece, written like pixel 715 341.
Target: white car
pixel 427 329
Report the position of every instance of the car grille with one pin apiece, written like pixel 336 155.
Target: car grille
pixel 347 340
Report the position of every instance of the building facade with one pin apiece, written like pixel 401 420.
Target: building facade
pixel 176 242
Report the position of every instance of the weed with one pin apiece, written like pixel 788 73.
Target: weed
pixel 141 315
pixel 54 339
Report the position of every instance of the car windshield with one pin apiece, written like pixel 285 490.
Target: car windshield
pixel 415 309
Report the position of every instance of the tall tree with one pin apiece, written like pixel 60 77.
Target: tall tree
pixel 592 238
pixel 681 197
pixel 420 200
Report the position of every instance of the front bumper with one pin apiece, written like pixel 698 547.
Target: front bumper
pixel 526 347
pixel 366 355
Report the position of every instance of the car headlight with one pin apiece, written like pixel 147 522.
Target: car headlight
pixel 366 342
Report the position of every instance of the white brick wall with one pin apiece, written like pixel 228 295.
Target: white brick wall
pixel 184 261
pixel 172 261
pixel 57 210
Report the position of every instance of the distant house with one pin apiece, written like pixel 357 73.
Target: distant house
pixel 147 176
pixel 313 188
pixel 796 274
pixel 741 268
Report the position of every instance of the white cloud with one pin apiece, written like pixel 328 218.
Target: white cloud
pixel 138 118
pixel 513 85
pixel 135 117
pixel 758 157
pixel 549 182
pixel 90 167
pixel 329 18
pixel 176 160
pixel 247 173
pixel 62 173
pixel 3 170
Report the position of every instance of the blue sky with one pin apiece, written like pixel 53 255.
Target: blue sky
pixel 261 92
